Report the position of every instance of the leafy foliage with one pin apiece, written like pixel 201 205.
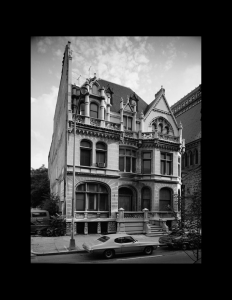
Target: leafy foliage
pixel 40 186
pixel 50 203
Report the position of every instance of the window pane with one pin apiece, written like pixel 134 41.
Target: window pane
pixel 146 193
pixel 92 187
pixel 93 114
pixel 85 157
pixel 133 153
pixel 146 204
pixel 164 205
pixel 92 202
pixel 147 166
pixel 101 146
pixel 93 110
pixel 165 194
pixel 93 107
pixel 128 152
pixel 129 123
pixel 147 155
pixel 102 189
pixel 128 164
pixel 168 168
pixel 86 144
pixel 100 157
pixel 103 205
pixel 82 109
pixel 121 151
pixel 80 201
pixel 169 156
pixel 162 155
pixel 133 164
pixel 81 187
pixel 121 164
pixel 125 122
pixel 162 167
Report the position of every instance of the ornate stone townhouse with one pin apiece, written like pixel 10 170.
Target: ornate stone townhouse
pixel 127 157
pixel 188 111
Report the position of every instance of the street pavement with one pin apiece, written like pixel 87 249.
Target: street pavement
pixel 60 245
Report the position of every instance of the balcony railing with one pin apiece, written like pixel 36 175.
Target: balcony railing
pixel 95 122
pixel 91 214
pixel 161 136
pixel 112 125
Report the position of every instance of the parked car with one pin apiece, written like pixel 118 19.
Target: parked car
pixel 39 228
pixel 181 239
pixel 112 244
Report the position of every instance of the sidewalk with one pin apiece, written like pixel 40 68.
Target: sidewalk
pixel 60 245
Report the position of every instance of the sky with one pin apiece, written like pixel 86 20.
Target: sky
pixel 142 63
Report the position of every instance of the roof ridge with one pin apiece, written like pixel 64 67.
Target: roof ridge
pixel 185 96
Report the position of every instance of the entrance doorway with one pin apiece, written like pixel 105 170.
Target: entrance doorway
pixel 125 198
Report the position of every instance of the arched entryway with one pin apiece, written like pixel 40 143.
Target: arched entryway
pixel 127 199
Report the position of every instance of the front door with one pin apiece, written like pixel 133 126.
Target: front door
pixel 125 202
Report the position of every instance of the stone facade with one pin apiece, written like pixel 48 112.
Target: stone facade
pixel 125 151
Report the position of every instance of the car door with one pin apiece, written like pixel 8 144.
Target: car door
pixel 118 245
pixel 129 245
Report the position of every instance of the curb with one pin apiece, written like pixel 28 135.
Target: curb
pixel 56 253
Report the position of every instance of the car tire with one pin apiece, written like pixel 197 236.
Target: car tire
pixel 109 253
pixel 184 247
pixel 148 250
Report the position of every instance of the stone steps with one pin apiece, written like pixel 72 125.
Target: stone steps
pixel 155 230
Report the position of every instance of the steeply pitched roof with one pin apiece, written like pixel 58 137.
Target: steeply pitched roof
pixel 121 91
pixel 191 123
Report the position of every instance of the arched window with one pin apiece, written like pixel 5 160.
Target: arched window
pixel 94 90
pixel 196 156
pixel 93 110
pixel 86 153
pixel 160 128
pixel 146 198
pixel 153 126
pixel 190 158
pixel 185 159
pixel 165 199
pixel 101 154
pixel 92 197
pixel 82 109
pixel 166 130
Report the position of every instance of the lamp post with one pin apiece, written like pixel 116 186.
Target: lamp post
pixel 72 245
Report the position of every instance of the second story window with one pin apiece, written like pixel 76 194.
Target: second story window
pixel 86 153
pixel 82 109
pixel 101 154
pixel 94 110
pixel 146 162
pixel 127 123
pixel 166 163
pixel 127 160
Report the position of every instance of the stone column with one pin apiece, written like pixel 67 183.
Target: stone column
pixel 86 228
pixel 134 119
pixel 180 132
pixel 98 227
pixel 121 114
pixel 108 109
pixel 87 119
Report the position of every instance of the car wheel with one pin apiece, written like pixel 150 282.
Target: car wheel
pixel 109 253
pixel 184 247
pixel 148 250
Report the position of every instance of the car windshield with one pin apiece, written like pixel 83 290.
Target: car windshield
pixel 103 239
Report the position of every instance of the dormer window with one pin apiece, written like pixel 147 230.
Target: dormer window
pixel 127 122
pixel 94 110
pixel 95 90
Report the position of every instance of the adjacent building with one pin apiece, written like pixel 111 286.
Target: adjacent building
pixel 188 111
pixel 127 157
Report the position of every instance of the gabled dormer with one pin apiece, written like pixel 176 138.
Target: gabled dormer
pixel 158 115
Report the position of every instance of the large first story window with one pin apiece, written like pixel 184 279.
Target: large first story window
pixel 92 197
pixel 165 199
pixel 127 160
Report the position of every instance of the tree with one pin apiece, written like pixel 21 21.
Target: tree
pixel 191 219
pixel 50 203
pixel 40 186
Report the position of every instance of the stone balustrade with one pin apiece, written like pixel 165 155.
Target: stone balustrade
pixel 91 214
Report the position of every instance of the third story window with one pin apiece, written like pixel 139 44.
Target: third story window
pixel 166 163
